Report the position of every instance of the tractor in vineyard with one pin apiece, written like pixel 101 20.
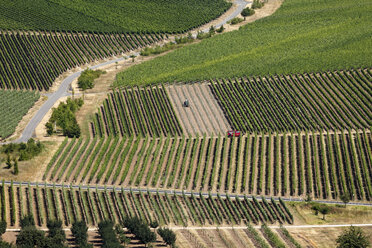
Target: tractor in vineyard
pixel 186 103
pixel 233 133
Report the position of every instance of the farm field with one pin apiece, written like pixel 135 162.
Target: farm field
pixel 324 165
pixel 72 204
pixel 136 111
pixel 14 105
pixel 317 101
pixel 203 116
pixel 33 60
pixel 310 36
pixel 113 16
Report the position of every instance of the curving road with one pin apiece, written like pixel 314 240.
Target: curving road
pixel 62 91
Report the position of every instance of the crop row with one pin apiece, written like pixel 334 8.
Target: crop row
pixel 323 165
pixel 14 105
pixel 33 60
pixel 319 101
pixel 136 111
pixel 71 204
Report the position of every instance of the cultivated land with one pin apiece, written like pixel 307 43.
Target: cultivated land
pixel 299 37
pixel 305 132
pixel 113 16
pixel 14 105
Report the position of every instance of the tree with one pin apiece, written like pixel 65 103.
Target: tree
pixel 30 237
pixel 2 228
pixel 4 244
pixel 345 198
pixel 308 198
pixel 80 232
pixel 154 224
pixel 28 220
pixel 324 210
pixel 220 29
pixel 168 236
pixel 247 12
pixel 353 237
pixel 8 162
pixel 316 208
pixel 15 167
pixel 132 57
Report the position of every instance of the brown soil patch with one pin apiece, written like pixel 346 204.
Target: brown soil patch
pixel 321 237
pixel 204 114
pixel 32 170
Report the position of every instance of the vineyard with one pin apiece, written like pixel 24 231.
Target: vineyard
pixel 324 165
pixel 71 204
pixel 337 37
pixel 33 60
pixel 118 16
pixel 136 111
pixel 236 237
pixel 320 101
pixel 14 105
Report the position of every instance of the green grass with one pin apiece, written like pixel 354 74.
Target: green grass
pixel 109 16
pixel 301 36
pixel 14 105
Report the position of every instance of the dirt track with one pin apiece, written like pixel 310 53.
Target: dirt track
pixel 204 115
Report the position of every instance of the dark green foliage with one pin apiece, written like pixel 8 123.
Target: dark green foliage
pixel 64 117
pixel 31 237
pixel 56 234
pixel 324 210
pixel 8 162
pixel 168 236
pixel 345 198
pixel 116 16
pixel 247 12
pixel 4 244
pixel 85 81
pixel 3 225
pixel 27 220
pixel 235 20
pixel 25 151
pixel 80 232
pixel 106 231
pixel 140 229
pixel 257 4
pixel 154 224
pixel 353 237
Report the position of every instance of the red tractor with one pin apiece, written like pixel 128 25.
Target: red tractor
pixel 233 133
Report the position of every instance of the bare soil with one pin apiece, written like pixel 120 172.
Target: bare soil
pixel 204 114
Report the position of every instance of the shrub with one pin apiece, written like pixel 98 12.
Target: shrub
pixel 257 4
pixel 247 12
pixel 235 20
pixel 168 236
pixel 87 77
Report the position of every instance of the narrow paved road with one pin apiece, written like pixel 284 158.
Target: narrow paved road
pixel 177 192
pixel 222 227
pixel 62 91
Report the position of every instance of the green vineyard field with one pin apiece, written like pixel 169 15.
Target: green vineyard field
pixel 14 105
pixel 94 205
pixel 324 165
pixel 168 16
pixel 33 60
pixel 140 111
pixel 301 36
pixel 320 101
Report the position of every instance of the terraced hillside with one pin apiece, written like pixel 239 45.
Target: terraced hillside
pixel 34 59
pixel 324 165
pixel 94 205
